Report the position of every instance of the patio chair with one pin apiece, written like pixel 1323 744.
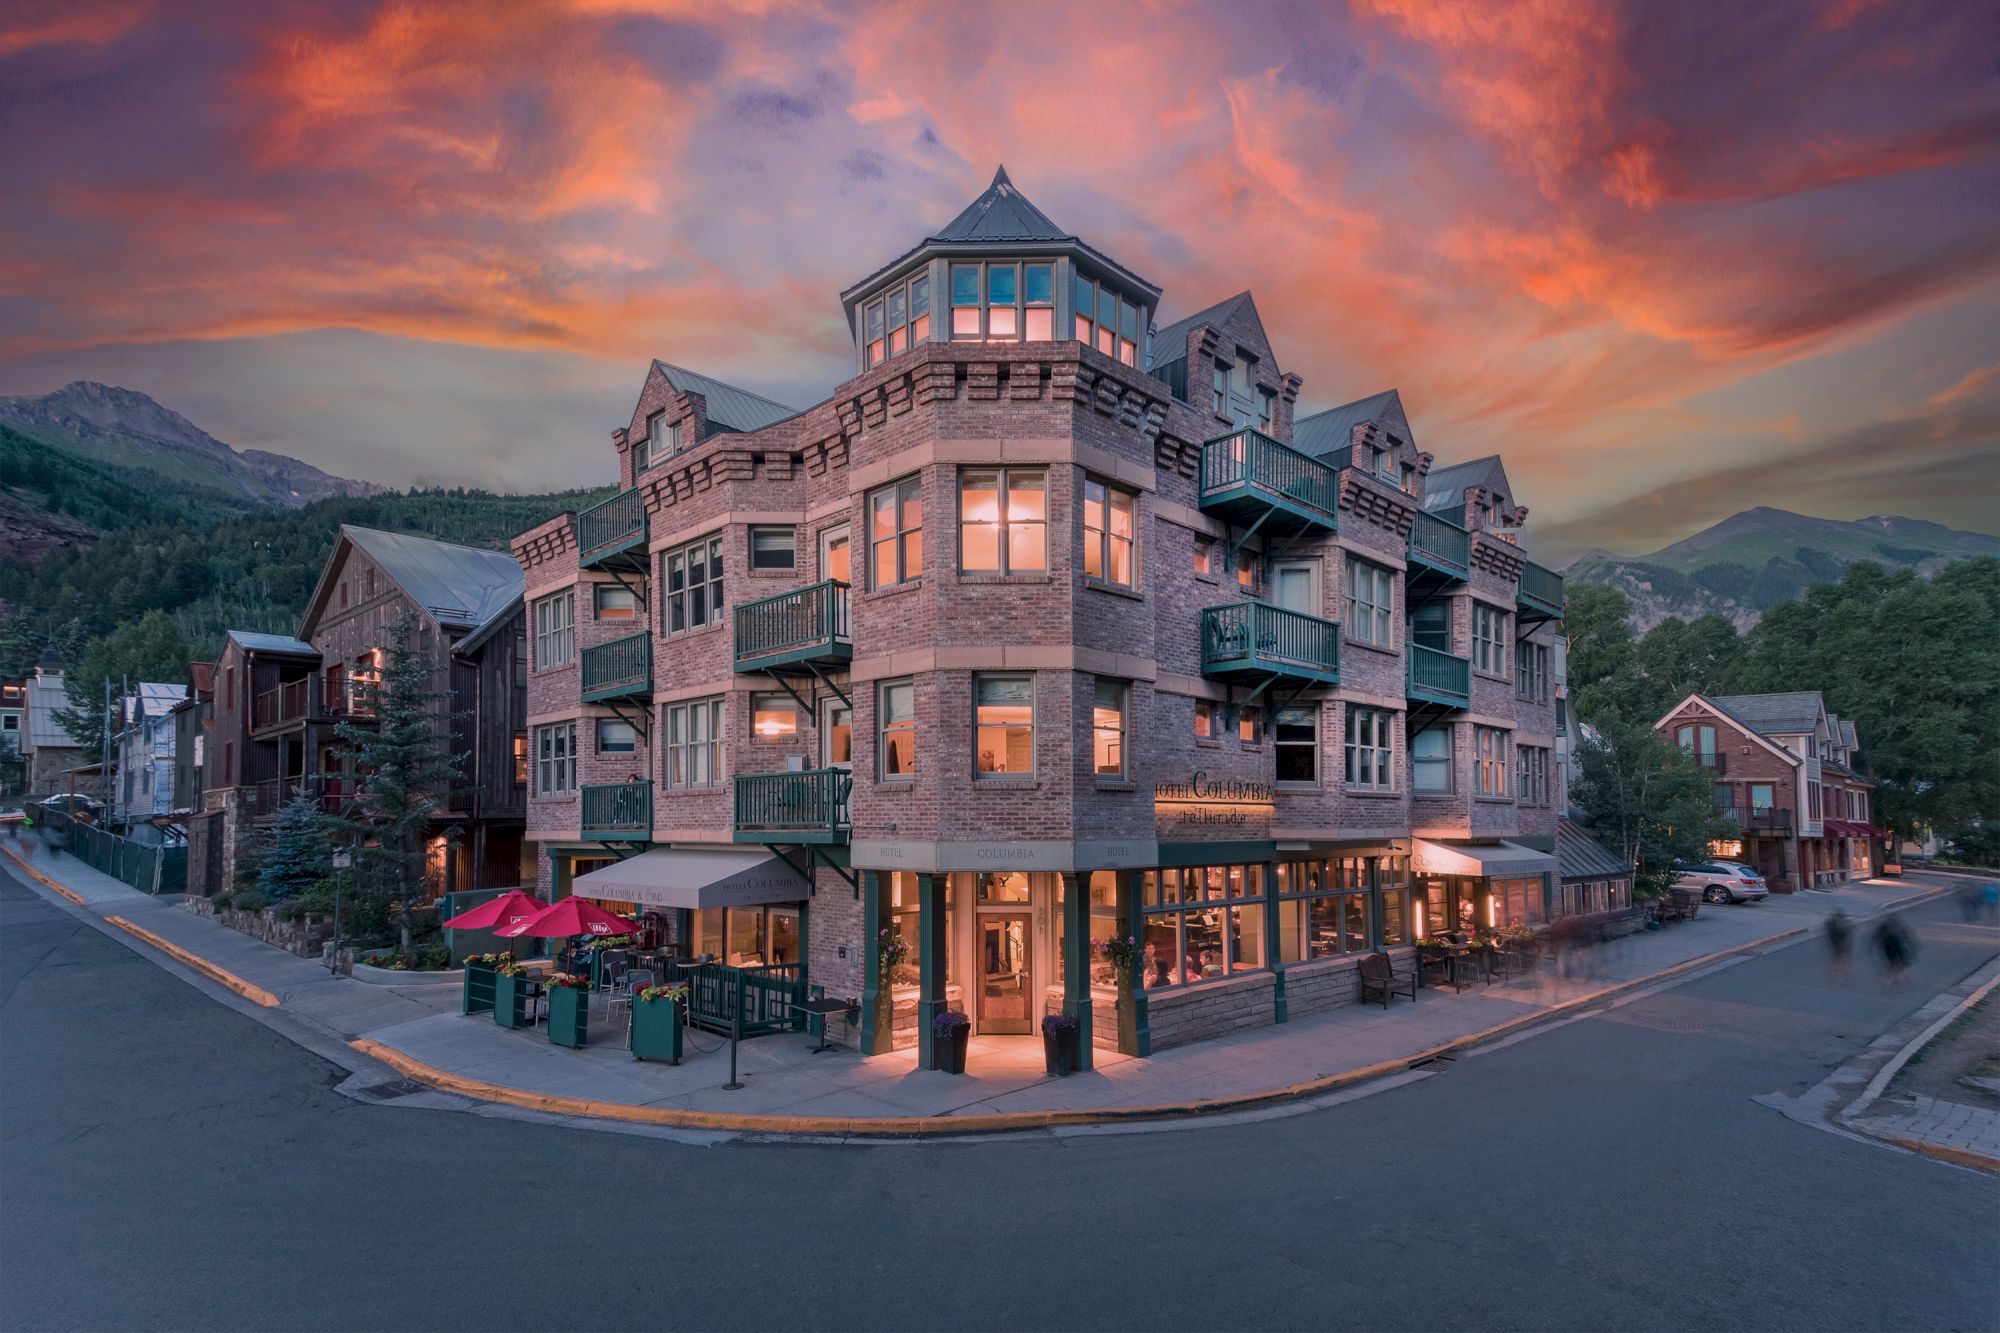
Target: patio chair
pixel 635 980
pixel 1380 979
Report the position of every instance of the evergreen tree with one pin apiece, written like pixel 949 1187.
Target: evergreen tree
pixel 403 760
pixel 299 854
pixel 1652 804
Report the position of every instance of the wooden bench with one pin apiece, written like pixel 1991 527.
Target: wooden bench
pixel 1380 978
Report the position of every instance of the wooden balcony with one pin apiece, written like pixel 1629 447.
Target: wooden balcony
pixel 1253 641
pixel 1773 821
pixel 620 669
pixel 291 702
pixel 801 807
pixel 1438 678
pixel 618 812
pixel 1255 482
pixel 1440 551
pixel 804 627
pixel 1540 592
pixel 612 535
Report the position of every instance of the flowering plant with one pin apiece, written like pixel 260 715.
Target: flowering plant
pixel 894 948
pixel 678 994
pixel 948 1022
pixel 511 970
pixel 568 981
pixel 1518 934
pixel 1118 950
pixel 1056 1025
pixel 1434 942
pixel 489 959
pixel 612 941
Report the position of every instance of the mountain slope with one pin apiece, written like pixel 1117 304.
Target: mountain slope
pixel 1749 562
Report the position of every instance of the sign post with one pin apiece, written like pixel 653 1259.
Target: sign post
pixel 341 861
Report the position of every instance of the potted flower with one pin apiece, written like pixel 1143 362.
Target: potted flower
pixel 1059 1034
pixel 656 1023
pixel 510 995
pixel 950 1030
pixel 478 990
pixel 569 1008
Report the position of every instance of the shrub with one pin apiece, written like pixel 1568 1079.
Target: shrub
pixel 433 958
pixel 224 901
pixel 251 902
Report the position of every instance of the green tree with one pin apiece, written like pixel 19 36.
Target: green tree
pixel 401 754
pixel 149 648
pixel 1598 624
pixel 1653 805
pixel 1677 657
pixel 298 856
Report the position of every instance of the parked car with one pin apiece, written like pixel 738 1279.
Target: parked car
pixel 1724 882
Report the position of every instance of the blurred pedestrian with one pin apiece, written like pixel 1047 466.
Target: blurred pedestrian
pixel 1893 942
pixel 1839 944
pixel 1972 902
pixel 1989 900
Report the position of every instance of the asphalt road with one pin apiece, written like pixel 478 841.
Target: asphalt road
pixel 166 1162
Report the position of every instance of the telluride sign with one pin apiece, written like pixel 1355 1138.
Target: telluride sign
pixel 1198 790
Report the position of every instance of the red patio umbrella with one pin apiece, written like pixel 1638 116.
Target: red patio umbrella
pixel 505 910
pixel 571 916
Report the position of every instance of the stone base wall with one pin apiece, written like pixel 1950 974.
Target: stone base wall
pixel 1178 1018
pixel 1330 983
pixel 305 937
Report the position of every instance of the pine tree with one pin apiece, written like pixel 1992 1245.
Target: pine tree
pixel 298 856
pixel 405 767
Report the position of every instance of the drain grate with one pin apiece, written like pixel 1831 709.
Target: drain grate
pixel 1436 1064
pixel 390 1091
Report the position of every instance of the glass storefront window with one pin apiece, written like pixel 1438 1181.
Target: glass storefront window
pixel 1003 886
pixel 1395 916
pixel 1246 935
pixel 1160 955
pixel 784 935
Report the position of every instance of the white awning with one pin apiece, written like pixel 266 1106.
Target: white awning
pixel 695 878
pixel 1493 859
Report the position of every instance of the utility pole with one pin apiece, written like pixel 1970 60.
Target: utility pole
pixel 104 760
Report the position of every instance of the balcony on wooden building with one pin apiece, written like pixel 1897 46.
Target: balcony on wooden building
pixel 1253 642
pixel 287 703
pixel 612 535
pixel 620 669
pixel 805 806
pixel 1263 486
pixel 1441 679
pixel 800 628
pixel 618 812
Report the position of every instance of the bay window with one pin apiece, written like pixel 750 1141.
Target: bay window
pixel 1106 321
pixel 1003 521
pixel 896 534
pixel 1003 302
pixel 897 321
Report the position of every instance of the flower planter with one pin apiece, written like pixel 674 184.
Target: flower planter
pixel 950 1048
pixel 1059 1052
pixel 656 1030
pixel 510 1001
pixel 569 1015
pixel 478 991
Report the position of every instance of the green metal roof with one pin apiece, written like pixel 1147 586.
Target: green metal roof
pixel 1326 432
pixel 728 406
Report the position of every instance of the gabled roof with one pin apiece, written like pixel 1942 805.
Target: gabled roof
pixel 1847 734
pixel 1325 432
pixel 461 587
pixel 252 642
pixel 1714 705
pixel 1794 714
pixel 1445 487
pixel 728 406
pixel 46 694
pixel 151 699
pixel 1584 857
pixel 1170 344
pixel 1003 213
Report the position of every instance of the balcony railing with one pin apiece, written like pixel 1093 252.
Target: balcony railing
pixel 618 812
pixel 1540 590
pixel 1250 474
pixel 1715 761
pixel 614 531
pixel 1772 819
pixel 802 625
pixel 1440 545
pixel 808 806
pixel 290 701
pixel 618 669
pixel 1439 677
pixel 1257 638
pixel 329 791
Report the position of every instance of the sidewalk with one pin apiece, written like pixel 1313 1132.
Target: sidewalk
pixel 418 1031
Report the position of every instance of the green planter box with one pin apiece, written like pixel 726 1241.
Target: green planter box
pixel 510 1001
pixel 656 1030
pixel 478 989
pixel 569 1015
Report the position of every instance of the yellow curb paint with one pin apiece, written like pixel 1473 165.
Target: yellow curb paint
pixel 21 864
pixel 174 951
pixel 1978 1161
pixel 999 1122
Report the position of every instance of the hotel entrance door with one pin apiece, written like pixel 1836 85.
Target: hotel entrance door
pixel 1005 973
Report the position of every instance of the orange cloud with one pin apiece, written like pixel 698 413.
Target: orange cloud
pixel 66 24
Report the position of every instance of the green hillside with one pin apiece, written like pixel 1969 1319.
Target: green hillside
pixel 104 496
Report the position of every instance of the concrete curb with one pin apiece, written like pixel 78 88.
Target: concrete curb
pixel 21 864
pixel 219 975
pixel 895 1127
pixel 1978 1161
pixel 1880 1083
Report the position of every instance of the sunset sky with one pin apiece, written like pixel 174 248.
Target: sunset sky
pixel 1672 260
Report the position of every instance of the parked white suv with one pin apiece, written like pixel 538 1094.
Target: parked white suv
pixel 1724 882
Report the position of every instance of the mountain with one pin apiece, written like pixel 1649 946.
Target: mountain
pixel 1749 562
pixel 103 457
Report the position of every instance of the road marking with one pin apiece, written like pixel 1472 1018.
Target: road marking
pixel 21 864
pixel 222 976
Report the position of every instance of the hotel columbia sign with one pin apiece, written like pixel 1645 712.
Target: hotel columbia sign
pixel 1216 802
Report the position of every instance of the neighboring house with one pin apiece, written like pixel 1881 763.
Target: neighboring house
pixel 143 754
pixel 193 722
pixel 1043 629
pixel 56 762
pixel 13 718
pixel 1785 773
pixel 1594 878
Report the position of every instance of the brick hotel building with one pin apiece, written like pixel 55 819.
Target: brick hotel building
pixel 1048 626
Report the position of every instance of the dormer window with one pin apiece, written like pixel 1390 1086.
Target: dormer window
pixel 898 320
pixel 1003 302
pixel 662 441
pixel 1106 321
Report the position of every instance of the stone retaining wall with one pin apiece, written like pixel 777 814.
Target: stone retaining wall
pixel 305 937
